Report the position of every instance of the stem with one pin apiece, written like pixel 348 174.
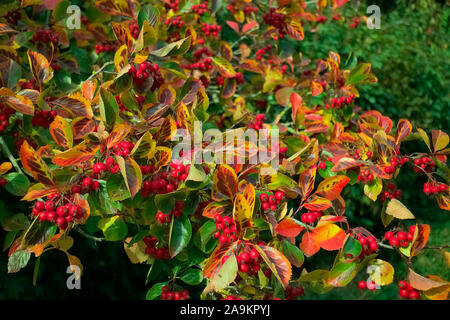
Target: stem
pixel 10 155
pixel 80 231
pixel 437 247
pixel 385 246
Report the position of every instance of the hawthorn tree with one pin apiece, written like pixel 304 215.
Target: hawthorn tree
pixel 93 114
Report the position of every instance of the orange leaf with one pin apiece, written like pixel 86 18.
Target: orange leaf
pixel 277 262
pixel 345 163
pixel 309 246
pixel 40 68
pixel 119 133
pixel 76 105
pixel 316 88
pixel 404 128
pixel 82 126
pixel 214 208
pixel 39 190
pixel 216 259
pixel 288 228
pixel 34 164
pixel 440 140
pixel 424 284
pixel 317 203
pixel 420 240
pixel 82 202
pixel 331 187
pixel 61 132
pixel 225 180
pixel 329 237
pixel 78 154
pixel 306 181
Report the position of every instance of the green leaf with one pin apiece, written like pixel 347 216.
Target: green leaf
pixel 9 239
pixel 108 107
pixel 148 13
pixel 180 234
pixel 352 249
pixel 192 276
pixel 342 273
pixel 225 276
pixel 36 270
pixel 179 47
pixel 18 183
pixel 155 291
pixel 165 202
pixel 17 222
pixel 293 254
pixel 204 235
pixel 114 228
pixel 18 260
pixel 224 67
pixel 373 189
pixel 38 233
pixel 116 188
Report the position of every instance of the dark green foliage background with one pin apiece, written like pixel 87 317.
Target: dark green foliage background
pixel 409 55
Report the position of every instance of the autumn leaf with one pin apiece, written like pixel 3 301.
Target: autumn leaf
pixel 331 187
pixel 225 180
pixel 289 228
pixel 398 210
pixel 277 262
pixel 34 164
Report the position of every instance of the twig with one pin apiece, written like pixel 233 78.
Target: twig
pixel 80 231
pixel 10 155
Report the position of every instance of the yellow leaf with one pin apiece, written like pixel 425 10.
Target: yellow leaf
pixel 398 210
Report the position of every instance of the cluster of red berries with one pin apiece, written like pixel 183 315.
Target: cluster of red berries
pixel 249 261
pixel 340 102
pixel 202 65
pixel 406 291
pixel 12 17
pixel 104 48
pixel 261 52
pixel 175 21
pixel 166 294
pixel 5 113
pixel 430 188
pixel 173 4
pixel 258 123
pixel 86 186
pixel 424 163
pixel 84 20
pixel 292 293
pixel 239 79
pixel 368 245
pixel 365 175
pixel 157 253
pixel 162 218
pixel 401 238
pixel 165 182
pixel 311 216
pixel 143 71
pixel 225 229
pixel 321 19
pixel 202 51
pixel 123 148
pixel 275 19
pixel 395 162
pixel 270 201
pixel 109 165
pixel 140 100
pixel 134 30
pixel 43 118
pixel 211 29
pixel 355 23
pixel 200 8
pixel 391 193
pixel 30 84
pixel 363 285
pixel 249 9
pixel 45 36
pixel 61 215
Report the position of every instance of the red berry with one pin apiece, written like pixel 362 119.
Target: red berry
pixel 49 205
pixel 404 293
pixel 388 235
pixel 362 285
pixel 87 181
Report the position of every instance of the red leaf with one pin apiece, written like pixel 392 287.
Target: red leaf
pixel 288 228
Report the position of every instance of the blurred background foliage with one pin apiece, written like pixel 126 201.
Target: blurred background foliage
pixel 410 57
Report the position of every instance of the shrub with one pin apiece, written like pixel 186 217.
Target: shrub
pixel 95 115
